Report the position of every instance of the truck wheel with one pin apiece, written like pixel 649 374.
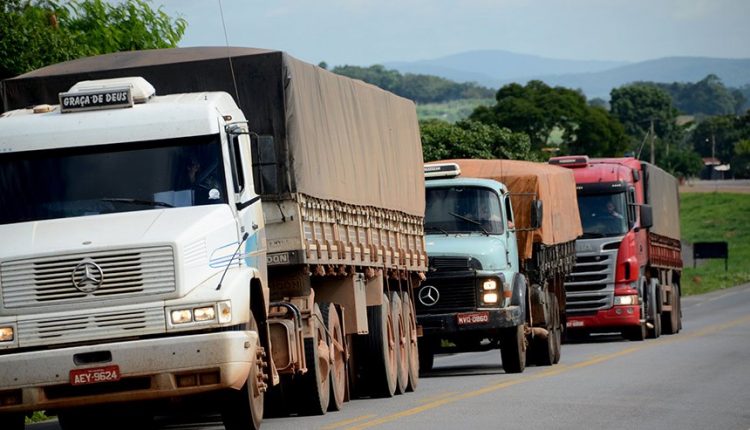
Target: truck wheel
pixel 670 321
pixel 513 349
pixel 12 421
pixel 556 329
pixel 545 350
pixel 312 389
pixel 410 326
pixel 399 334
pixel 426 356
pixel 243 409
pixel 380 350
pixel 337 356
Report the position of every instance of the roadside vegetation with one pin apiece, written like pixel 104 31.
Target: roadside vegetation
pixel 709 217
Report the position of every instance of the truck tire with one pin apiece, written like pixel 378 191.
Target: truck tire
pixel 513 349
pixel 312 390
pixel 337 356
pixel 243 409
pixel 544 351
pixel 670 321
pixel 12 421
pixel 556 328
pixel 426 356
pixel 399 333
pixel 379 361
pixel 410 325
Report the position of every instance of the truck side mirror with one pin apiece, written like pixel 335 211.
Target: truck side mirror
pixel 537 214
pixel 265 168
pixel 647 216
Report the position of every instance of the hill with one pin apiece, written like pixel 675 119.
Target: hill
pixel 595 78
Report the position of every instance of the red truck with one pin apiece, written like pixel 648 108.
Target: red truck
pixel 628 261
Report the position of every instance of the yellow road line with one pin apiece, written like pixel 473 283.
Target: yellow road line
pixel 347 422
pixel 439 396
pixel 447 399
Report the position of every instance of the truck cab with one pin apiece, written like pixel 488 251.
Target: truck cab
pixel 473 292
pixel 133 241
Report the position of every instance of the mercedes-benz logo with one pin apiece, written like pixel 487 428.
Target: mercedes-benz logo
pixel 87 276
pixel 428 295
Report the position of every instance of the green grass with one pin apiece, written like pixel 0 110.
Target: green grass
pixel 451 111
pixel 709 217
pixel 37 417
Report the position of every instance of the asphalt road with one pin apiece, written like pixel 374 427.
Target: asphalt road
pixel 697 379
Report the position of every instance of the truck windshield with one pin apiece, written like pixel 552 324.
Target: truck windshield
pixel 603 215
pixel 72 182
pixel 462 210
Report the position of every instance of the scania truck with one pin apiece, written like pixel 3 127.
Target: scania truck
pixel 229 223
pixel 628 262
pixel 500 240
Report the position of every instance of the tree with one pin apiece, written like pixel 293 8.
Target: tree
pixel 471 139
pixel 598 134
pixel 36 33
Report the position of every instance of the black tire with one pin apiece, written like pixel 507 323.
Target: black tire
pixel 399 334
pixel 513 349
pixel 544 349
pixel 243 409
pixel 426 356
pixel 313 389
pixel 410 324
pixel 556 329
pixel 670 321
pixel 338 367
pixel 12 422
pixel 380 361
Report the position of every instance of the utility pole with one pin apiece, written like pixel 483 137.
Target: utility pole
pixel 652 136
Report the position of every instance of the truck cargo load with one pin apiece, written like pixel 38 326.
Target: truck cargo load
pixel 554 186
pixel 662 193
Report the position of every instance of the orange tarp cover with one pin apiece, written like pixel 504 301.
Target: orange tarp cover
pixel 554 186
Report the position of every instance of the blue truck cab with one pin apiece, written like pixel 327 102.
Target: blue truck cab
pixel 474 292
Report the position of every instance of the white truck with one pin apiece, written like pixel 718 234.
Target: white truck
pixel 254 248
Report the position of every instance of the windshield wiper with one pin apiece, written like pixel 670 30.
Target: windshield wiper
pixel 473 221
pixel 433 227
pixel 137 202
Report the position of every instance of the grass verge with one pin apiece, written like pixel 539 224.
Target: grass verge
pixel 710 217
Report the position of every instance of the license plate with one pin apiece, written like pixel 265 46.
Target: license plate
pixel 574 323
pixel 94 375
pixel 473 318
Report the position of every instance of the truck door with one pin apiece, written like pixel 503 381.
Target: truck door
pixel 510 234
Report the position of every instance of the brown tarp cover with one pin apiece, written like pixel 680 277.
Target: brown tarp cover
pixel 554 186
pixel 662 193
pixel 337 138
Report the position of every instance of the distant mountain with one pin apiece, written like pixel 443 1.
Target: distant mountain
pixel 595 78
pixel 491 67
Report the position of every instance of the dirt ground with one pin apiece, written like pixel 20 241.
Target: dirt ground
pixel 725 186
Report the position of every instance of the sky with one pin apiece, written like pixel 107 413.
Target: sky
pixel 366 32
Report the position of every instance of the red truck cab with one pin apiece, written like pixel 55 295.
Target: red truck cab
pixel 620 283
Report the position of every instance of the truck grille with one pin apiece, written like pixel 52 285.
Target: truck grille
pixel 457 293
pixel 454 263
pixel 591 284
pixel 88 326
pixel 124 273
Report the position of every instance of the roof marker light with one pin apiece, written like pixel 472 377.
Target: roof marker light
pixel 441 170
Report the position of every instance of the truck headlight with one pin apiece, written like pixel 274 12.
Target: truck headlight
pixel 489 298
pixel 7 334
pixel 181 316
pixel 626 300
pixel 206 313
pixel 489 284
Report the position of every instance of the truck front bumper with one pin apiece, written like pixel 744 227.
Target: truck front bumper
pixel 614 318
pixel 448 323
pixel 149 369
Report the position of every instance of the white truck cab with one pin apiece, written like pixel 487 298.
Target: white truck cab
pixel 131 242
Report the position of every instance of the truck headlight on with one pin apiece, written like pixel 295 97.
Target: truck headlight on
pixel 489 298
pixel 489 284
pixel 204 313
pixel 626 300
pixel 7 334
